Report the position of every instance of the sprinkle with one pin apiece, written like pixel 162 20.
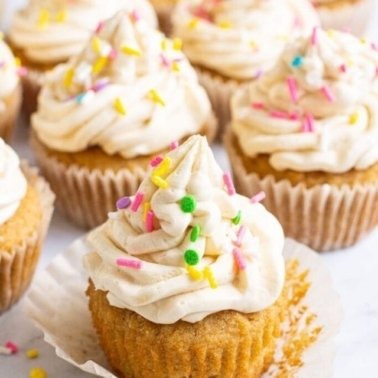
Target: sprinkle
pixel 62 15
pixel 17 61
pixel 156 161
pixel 43 18
pixel 85 97
pixel 112 54
pixel 208 273
pixel 175 67
pixel 177 44
pixel 101 84
pixel 225 24
pixel 239 258
pixel 194 273
pixel 279 114
pixel 343 67
pixel 137 201
pixel 314 36
pixel 158 181
pixel 258 74
pixel 135 15
pixel 294 116
pixel 120 106
pixel 229 184
pixel 353 119
pixel 146 209
pixel 297 61
pixel 164 43
pixel 96 44
pixel 308 123
pixel 363 41
pixel 191 257
pixel 174 145
pixel 150 221
pixel 123 203
pixel 2 64
pixel 194 234
pixel 240 235
pixel 12 346
pixel 164 60
pixel 129 263
pixel 193 23
pixel 6 351
pixel 37 373
pixel 374 46
pixel 188 204
pixel 292 88
pixel 99 27
pixel 258 197
pixel 129 50
pixel 99 64
pixel 155 97
pixel 1 35
pixel 22 71
pixel 161 170
pixel 331 33
pixel 328 94
pixel 32 353
pixel 68 77
pixel 257 105
pixel 237 219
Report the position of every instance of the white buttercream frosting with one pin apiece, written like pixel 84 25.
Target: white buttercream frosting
pixel 51 31
pixel 12 182
pixel 328 121
pixel 150 95
pixel 163 290
pixel 239 38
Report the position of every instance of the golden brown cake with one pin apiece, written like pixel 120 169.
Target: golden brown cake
pixel 187 277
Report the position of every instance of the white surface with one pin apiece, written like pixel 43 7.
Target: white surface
pixel 354 271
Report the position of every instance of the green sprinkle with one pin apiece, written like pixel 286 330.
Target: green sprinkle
pixel 297 61
pixel 188 204
pixel 237 219
pixel 191 257
pixel 195 233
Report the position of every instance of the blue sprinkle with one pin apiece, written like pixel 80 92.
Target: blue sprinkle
pixel 297 61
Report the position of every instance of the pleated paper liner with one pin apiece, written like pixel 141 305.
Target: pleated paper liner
pixel 9 114
pixel 306 347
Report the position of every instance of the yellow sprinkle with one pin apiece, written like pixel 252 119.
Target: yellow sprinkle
pixel 194 273
pixel 192 24
pixel 32 353
pixel 155 97
pixel 61 16
pixel 126 49
pixel 225 24
pixel 1 35
pixel 17 62
pixel 176 66
pixel 164 43
pixel 37 373
pixel 253 44
pixel 330 33
pixel 209 275
pixel 120 106
pixel 146 209
pixel 43 18
pixel 161 170
pixel 350 63
pixel 99 64
pixel 68 77
pixel 353 118
pixel 158 181
pixel 364 40
pixel 96 44
pixel 177 44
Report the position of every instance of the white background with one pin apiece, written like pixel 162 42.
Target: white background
pixel 354 271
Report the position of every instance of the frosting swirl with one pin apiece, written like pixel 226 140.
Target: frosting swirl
pixel 183 237
pixel 316 110
pixel 236 37
pixel 51 31
pixel 123 93
pixel 12 182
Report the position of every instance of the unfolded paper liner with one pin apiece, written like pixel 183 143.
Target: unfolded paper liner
pixel 8 115
pixel 323 217
pixel 62 314
pixel 352 16
pixel 17 266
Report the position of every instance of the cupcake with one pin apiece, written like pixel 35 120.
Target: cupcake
pixel 26 205
pixel 186 278
pixel 346 15
pixel 101 119
pixel 10 92
pixel 232 42
pixel 306 133
pixel 46 33
pixel 164 9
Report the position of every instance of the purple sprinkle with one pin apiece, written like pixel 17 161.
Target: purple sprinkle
pixel 2 64
pixel 100 85
pixel 123 203
pixel 258 74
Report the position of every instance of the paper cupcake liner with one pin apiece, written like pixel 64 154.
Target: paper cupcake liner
pixel 350 16
pixel 323 217
pixel 17 266
pixel 306 347
pixel 8 117
pixel 164 12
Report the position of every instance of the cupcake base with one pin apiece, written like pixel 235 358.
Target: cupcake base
pixel 8 117
pixel 322 212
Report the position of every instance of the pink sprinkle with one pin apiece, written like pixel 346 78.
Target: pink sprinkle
pixel 150 221
pixel 294 116
pixel 22 71
pixel 200 12
pixel 257 105
pixel 308 123
pixel 174 145
pixel 156 161
pixel 292 88
pixel 135 15
pixel 376 71
pixel 136 264
pixel 279 114
pixel 99 27
pixel 2 64
pixel 314 36
pixel 328 94
pixel 345 29
pixel 229 184
pixel 164 60
pixel 137 201
pixel 113 54
pixel 240 235
pixel 239 258
pixel 343 68
pixel 12 346
pixel 258 197
pixel 374 46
